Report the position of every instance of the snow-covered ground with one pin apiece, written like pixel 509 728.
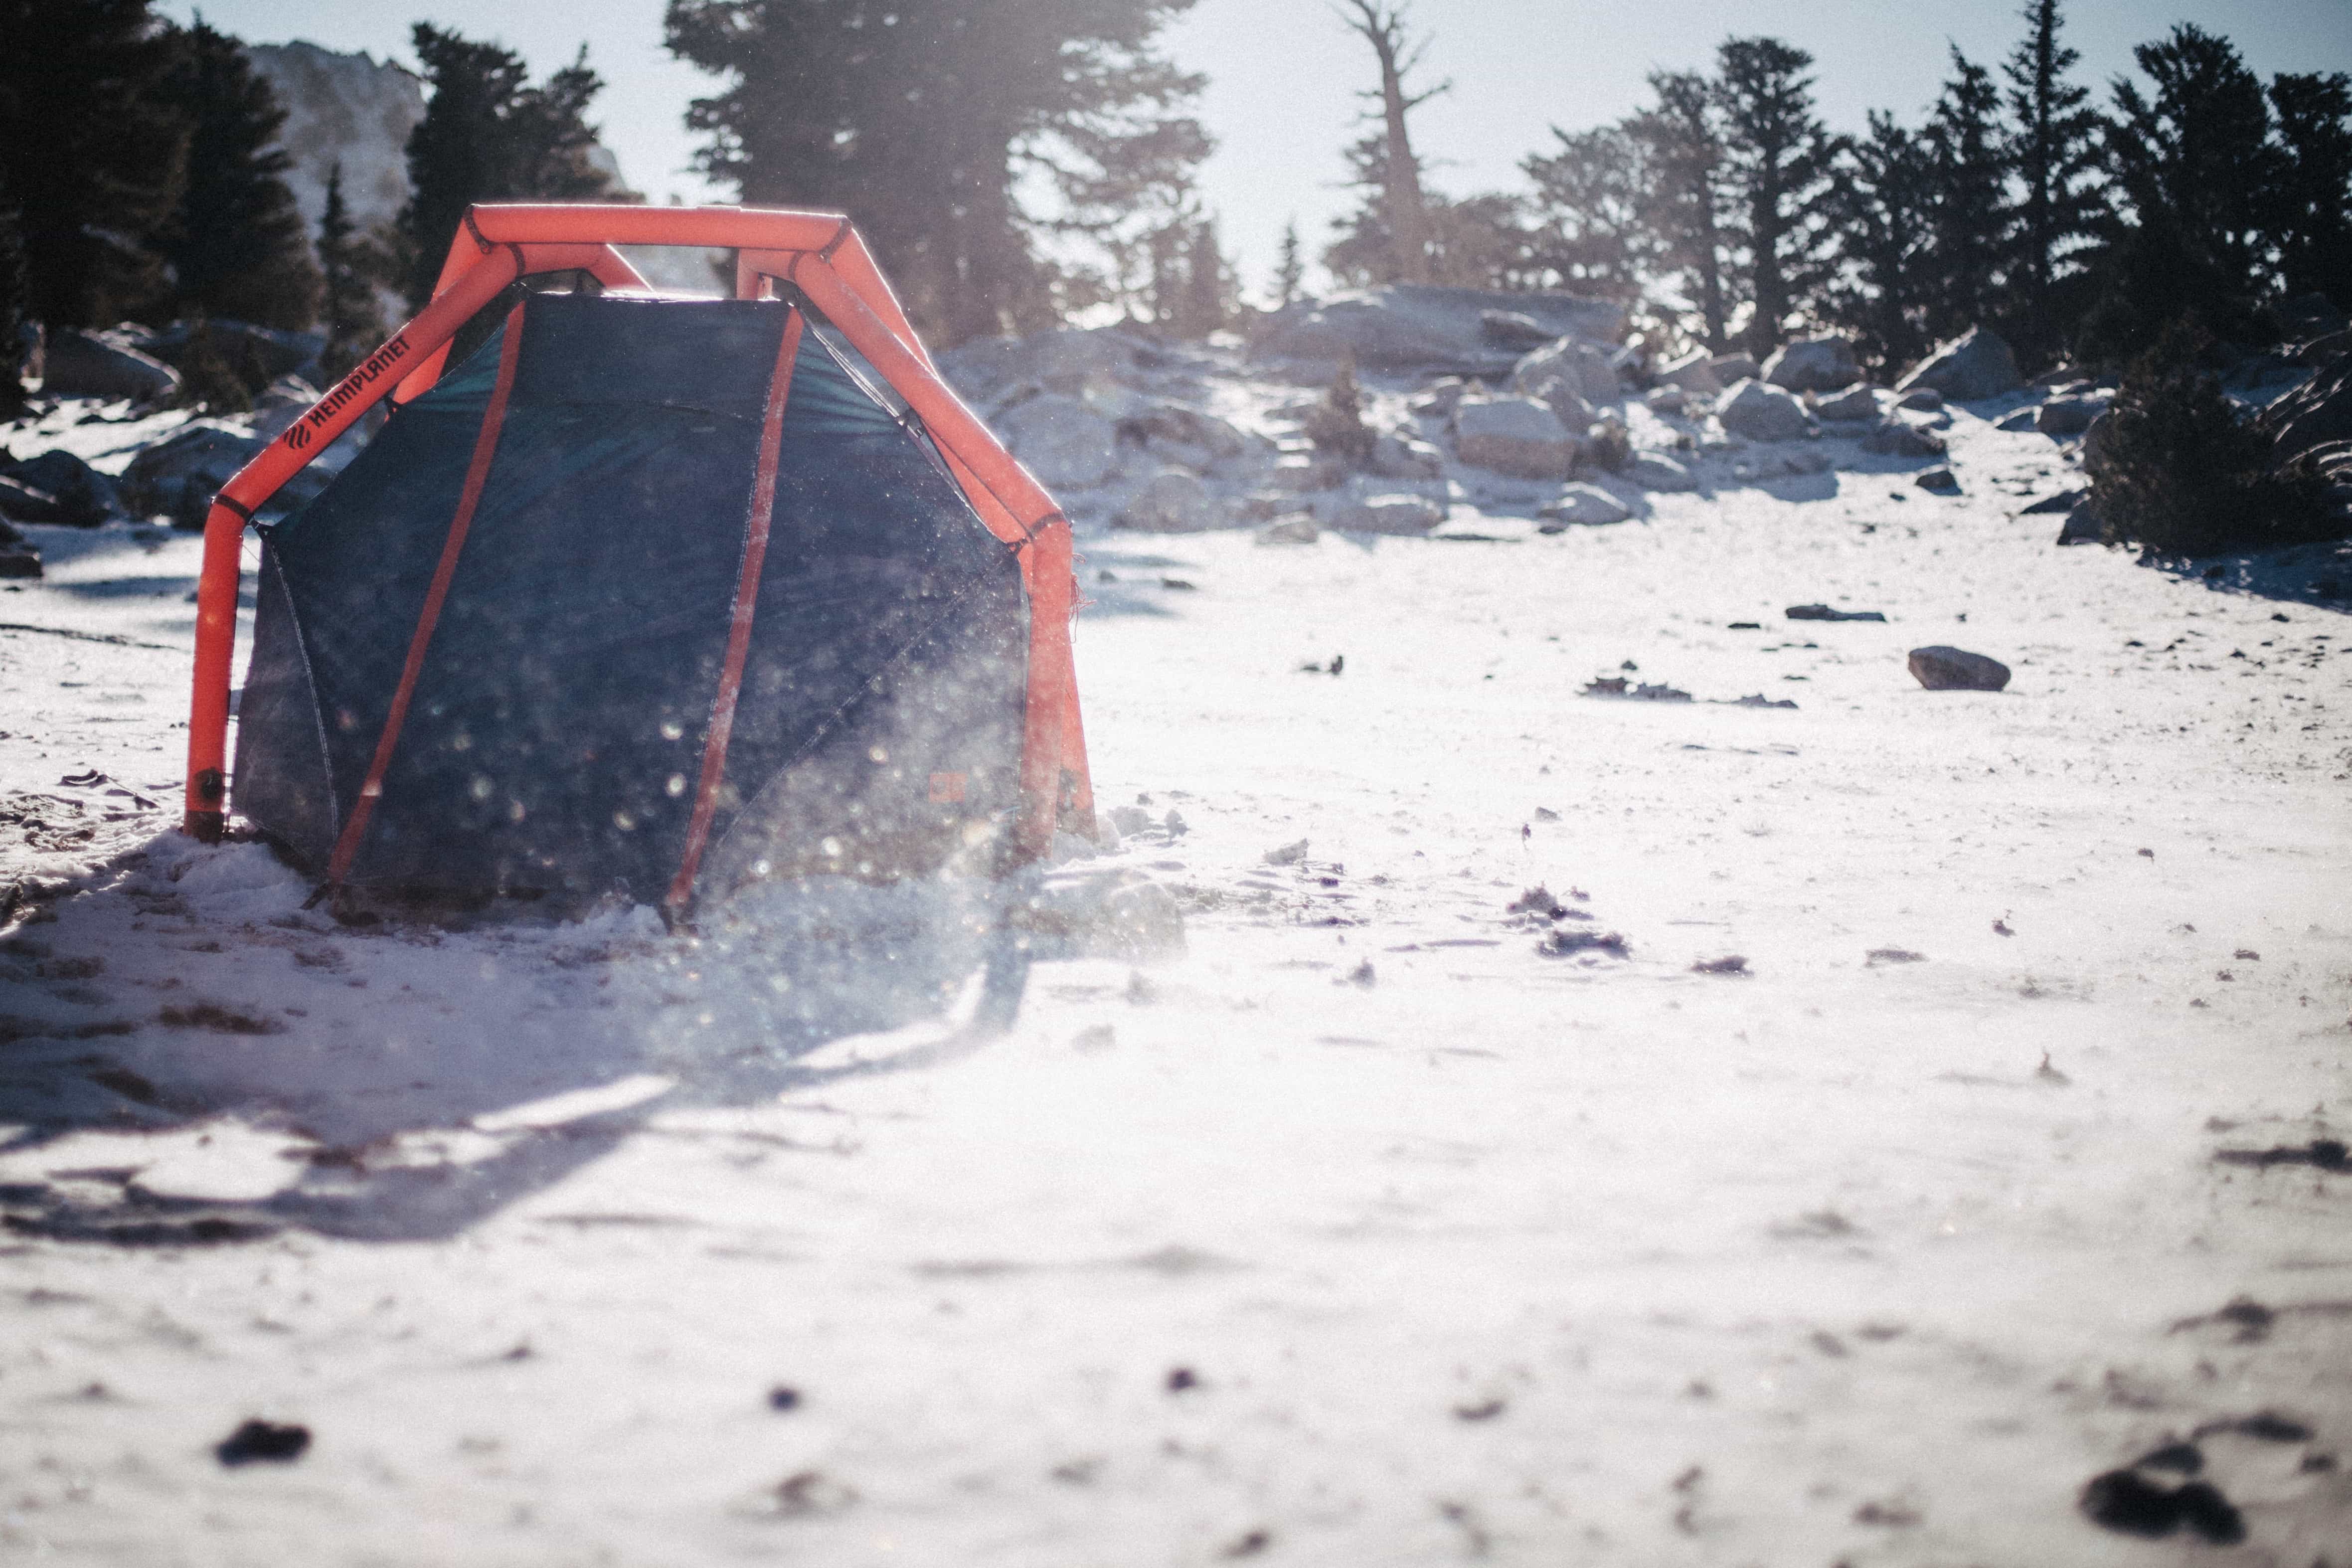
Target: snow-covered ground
pixel 1366 1231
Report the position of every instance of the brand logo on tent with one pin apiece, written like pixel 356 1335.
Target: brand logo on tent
pixel 299 434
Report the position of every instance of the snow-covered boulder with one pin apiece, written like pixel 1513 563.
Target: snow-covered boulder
pixel 1762 412
pixel 1656 471
pixel 1668 399
pixel 1513 330
pixel 1977 363
pixel 1408 326
pixel 1063 442
pixel 1731 368
pixel 1173 502
pixel 1693 372
pixel 1513 435
pixel 1402 513
pixel 1857 401
pixel 1901 438
pixel 104 364
pixel 1401 456
pixel 1582 503
pixel 2068 415
pixel 1564 370
pixel 177 478
pixel 1821 364
pixel 86 496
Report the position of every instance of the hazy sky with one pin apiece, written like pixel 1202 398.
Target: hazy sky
pixel 1282 73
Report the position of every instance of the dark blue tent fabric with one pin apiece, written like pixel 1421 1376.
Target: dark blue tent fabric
pixel 555 738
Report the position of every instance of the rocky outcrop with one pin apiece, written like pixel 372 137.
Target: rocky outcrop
pixel 1407 327
pixel 1062 441
pixel 104 366
pixel 2062 417
pixel 1760 411
pixel 1174 501
pixel 83 496
pixel 1693 372
pixel 1402 513
pixel 1573 376
pixel 1976 365
pixel 1821 364
pixel 1513 435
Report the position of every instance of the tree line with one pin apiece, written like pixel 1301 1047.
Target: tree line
pixel 1733 216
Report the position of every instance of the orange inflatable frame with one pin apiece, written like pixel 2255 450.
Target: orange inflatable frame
pixel 819 254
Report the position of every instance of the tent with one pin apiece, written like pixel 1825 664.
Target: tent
pixel 649 595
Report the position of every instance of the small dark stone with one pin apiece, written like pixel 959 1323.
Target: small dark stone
pixel 1939 481
pixel 1946 668
pixel 2181 1456
pixel 1485 1410
pixel 2271 1428
pixel 1250 1545
pixel 782 1397
pixel 263 1441
pixel 1181 1378
pixel 2204 1509
pixel 1823 613
pixel 2124 1500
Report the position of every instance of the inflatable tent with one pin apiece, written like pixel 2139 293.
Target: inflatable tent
pixel 648 596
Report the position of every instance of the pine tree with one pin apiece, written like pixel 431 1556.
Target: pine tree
pixel 92 155
pixel 1886 216
pixel 1968 182
pixel 1592 198
pixel 15 316
pixel 927 123
pixel 235 239
pixel 2310 207
pixel 1289 269
pixel 1690 195
pixel 349 312
pixel 1207 303
pixel 1779 159
pixel 489 135
pixel 2054 150
pixel 2193 162
pixel 1403 209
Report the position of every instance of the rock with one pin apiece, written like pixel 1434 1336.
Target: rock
pixel 1901 438
pixel 1289 530
pixel 88 496
pixel 1942 481
pixel 241 344
pixel 101 364
pixel 178 478
pixel 1173 502
pixel 1977 363
pixel 1941 668
pixel 1921 400
pixel 1408 326
pixel 19 561
pixel 21 502
pixel 1656 471
pixel 2063 501
pixel 1731 368
pixel 1064 360
pixel 1569 376
pixel 263 1441
pixel 1513 435
pixel 1116 915
pixel 1855 403
pixel 1822 363
pixel 2082 525
pixel 1693 372
pixel 1823 613
pixel 2017 420
pixel 1441 396
pixel 1399 513
pixel 1064 443
pixel 1187 427
pixel 1582 503
pixel 2309 316
pixel 2069 415
pixel 1513 330
pixel 1668 399
pixel 1399 456
pixel 1300 472
pixel 1762 412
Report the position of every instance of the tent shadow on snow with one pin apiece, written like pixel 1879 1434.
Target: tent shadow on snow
pixel 468 1069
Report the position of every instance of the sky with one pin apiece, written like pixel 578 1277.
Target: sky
pixel 1283 74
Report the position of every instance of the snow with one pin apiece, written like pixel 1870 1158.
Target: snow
pixel 1460 1250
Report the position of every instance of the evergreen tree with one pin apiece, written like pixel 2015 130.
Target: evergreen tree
pixel 1968 178
pixel 15 318
pixel 1289 270
pixel 349 310
pixel 1779 157
pixel 92 155
pixel 1885 217
pixel 924 119
pixel 489 135
pixel 235 239
pixel 1681 138
pixel 1593 199
pixel 2310 208
pixel 2054 153
pixel 1206 305
pixel 1404 210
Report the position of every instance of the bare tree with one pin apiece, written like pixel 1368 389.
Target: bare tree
pixel 1382 26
